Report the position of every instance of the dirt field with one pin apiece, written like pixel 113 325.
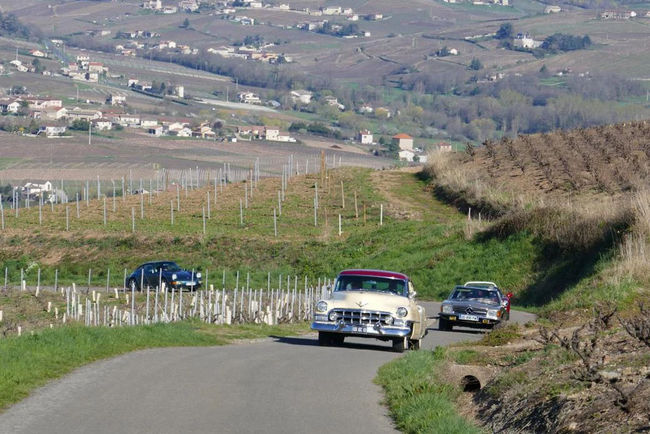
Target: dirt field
pixel 36 158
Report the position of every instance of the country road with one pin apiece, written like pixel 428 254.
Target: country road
pixel 283 385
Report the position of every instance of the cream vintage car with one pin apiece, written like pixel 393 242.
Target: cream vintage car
pixel 372 304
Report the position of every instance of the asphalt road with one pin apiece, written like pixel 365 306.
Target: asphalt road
pixel 278 385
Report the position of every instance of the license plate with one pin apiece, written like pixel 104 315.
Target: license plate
pixel 468 317
pixel 359 329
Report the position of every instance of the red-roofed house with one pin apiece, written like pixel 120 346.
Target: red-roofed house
pixel 404 141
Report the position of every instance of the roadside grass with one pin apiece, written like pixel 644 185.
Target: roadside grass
pixel 30 361
pixel 418 399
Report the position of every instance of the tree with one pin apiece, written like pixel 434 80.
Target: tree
pixel 475 64
pixel 505 31
pixel 80 125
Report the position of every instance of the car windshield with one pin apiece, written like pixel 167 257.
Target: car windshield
pixel 475 294
pixel 370 283
pixel 170 266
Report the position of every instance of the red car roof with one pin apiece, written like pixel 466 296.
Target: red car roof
pixel 374 273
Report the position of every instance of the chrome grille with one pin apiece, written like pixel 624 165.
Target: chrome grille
pixel 361 317
pixel 474 310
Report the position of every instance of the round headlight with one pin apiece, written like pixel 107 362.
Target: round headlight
pixel 402 312
pixel 174 276
pixel 321 306
pixel 388 320
pixel 333 316
pixel 198 275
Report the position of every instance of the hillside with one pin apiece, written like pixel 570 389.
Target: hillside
pixel 582 196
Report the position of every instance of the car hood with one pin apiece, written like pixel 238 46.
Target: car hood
pixel 472 303
pixel 367 300
pixel 180 275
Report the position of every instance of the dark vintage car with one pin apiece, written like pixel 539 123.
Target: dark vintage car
pixel 474 304
pixel 153 274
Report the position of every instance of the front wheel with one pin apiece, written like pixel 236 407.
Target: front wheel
pixel 324 339
pixel 444 325
pixel 132 284
pixel 400 344
pixel 414 344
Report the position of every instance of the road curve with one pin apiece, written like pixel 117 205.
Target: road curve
pixel 277 385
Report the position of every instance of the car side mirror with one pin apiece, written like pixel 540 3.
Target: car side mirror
pixel 412 294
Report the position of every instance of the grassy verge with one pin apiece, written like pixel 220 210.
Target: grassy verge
pixel 420 401
pixel 30 361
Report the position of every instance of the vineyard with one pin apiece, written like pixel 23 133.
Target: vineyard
pixel 610 159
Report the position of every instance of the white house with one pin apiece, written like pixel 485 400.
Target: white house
pixel 552 9
pixel 148 123
pixel 406 155
pixel 116 99
pixel 301 96
pixel 156 130
pixel 33 189
pixel 103 124
pixel 525 41
pixel 52 130
pixel 87 115
pixel 249 98
pixel 37 53
pixel 271 133
pixel 50 113
pixel 365 137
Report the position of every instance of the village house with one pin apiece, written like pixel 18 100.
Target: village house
pixel 148 123
pixel 9 105
pixel 365 137
pixel 96 67
pixel 552 9
pixel 203 131
pixel 331 10
pixel 50 113
pixel 254 131
pixel 249 98
pixel 271 133
pixel 617 15
pixel 52 130
pixel 124 119
pixel 403 141
pixel 33 190
pixel 19 66
pixel 35 102
pixel 37 53
pixel 442 147
pixel 301 96
pixel 81 114
pixel 406 155
pixel 156 130
pixel 116 99
pixel 334 102
pixel 285 137
pixel 365 109
pixel 179 91
pixel 152 4
pixel 525 41
pixel 188 5
pixel 102 124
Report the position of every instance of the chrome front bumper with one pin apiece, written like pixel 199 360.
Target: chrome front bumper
pixel 374 330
